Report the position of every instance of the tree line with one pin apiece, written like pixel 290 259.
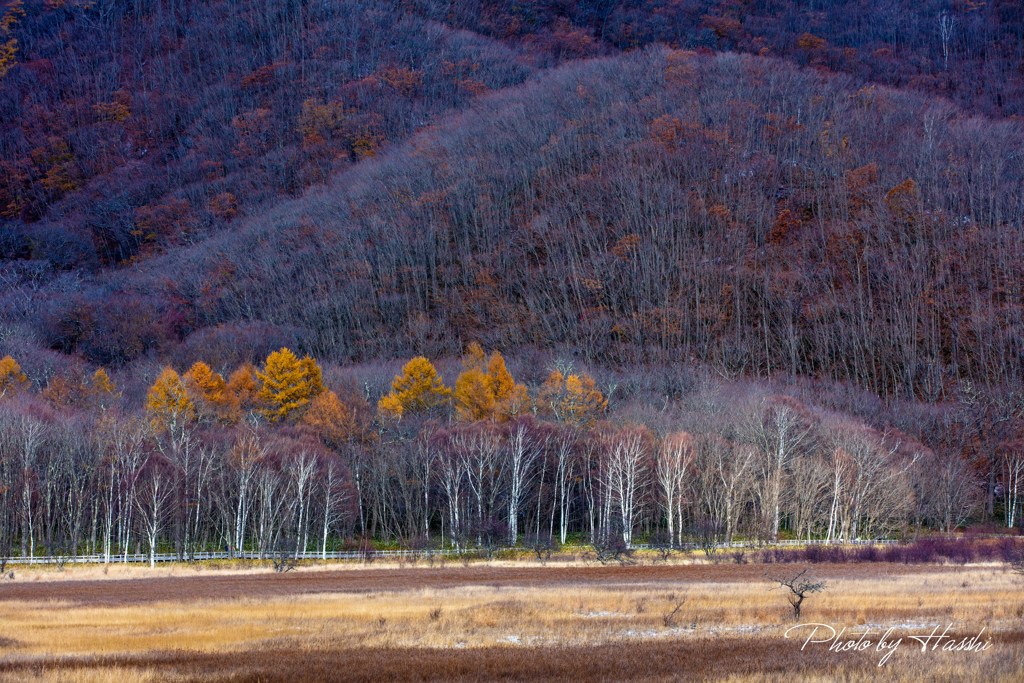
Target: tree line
pixel 271 460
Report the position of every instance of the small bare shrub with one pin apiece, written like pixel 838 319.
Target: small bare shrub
pixel 798 588
pixel 612 548
pixel 661 543
pixel 542 545
pixel 670 618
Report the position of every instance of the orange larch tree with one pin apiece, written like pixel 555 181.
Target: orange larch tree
pixel 289 384
pixel 486 389
pixel 572 398
pixel 210 393
pixel 331 420
pixel 244 387
pixel 12 379
pixel 168 404
pixel 418 389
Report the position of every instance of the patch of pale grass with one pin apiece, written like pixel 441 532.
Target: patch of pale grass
pixel 494 616
pixel 582 614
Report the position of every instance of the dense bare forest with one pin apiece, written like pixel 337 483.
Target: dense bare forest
pixel 756 268
pixel 270 459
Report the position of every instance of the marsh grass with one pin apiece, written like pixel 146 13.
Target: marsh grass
pixel 57 637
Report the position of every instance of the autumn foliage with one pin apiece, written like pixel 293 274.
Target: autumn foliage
pixel 811 197
pixel 244 387
pixel 211 394
pixel 486 390
pixel 571 397
pixel 331 420
pixel 289 384
pixel 12 378
pixel 168 403
pixel 419 388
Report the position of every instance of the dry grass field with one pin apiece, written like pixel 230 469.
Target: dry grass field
pixel 510 620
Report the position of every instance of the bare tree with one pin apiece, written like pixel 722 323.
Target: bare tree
pixel 1013 485
pixel 870 483
pixel 798 587
pixel 240 464
pixel 781 434
pixel 284 558
pixel 300 468
pixel 451 472
pixel 626 476
pixel 479 448
pixel 542 545
pixel 672 464
pixel 333 496
pixel 945 34
pixel 123 443
pixel 152 493
pixel 521 452
pixel 1016 564
pixel 565 473
pixel 730 465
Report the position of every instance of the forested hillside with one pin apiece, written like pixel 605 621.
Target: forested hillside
pixel 129 128
pixel 696 231
pixel 658 206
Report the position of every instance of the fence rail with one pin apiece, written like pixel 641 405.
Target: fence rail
pixel 247 555
pixel 142 558
pixel 772 544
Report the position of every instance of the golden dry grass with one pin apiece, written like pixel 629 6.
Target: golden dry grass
pixel 51 639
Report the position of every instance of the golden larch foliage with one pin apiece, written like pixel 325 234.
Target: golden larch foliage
pixel 511 398
pixel 60 391
pixel 244 386
pixel 320 122
pixel 211 395
pixel 332 420
pixel 167 403
pixel 571 398
pixel 289 384
pixel 100 382
pixel 8 55
pixel 419 388
pixel 14 11
pixel 475 358
pixel 549 393
pixel 474 398
pixel 12 379
pixel 99 390
pixel 809 41
pixel 859 184
pixel 89 391
pixel 390 406
pixel 583 401
pixel 486 389
pixel 206 383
